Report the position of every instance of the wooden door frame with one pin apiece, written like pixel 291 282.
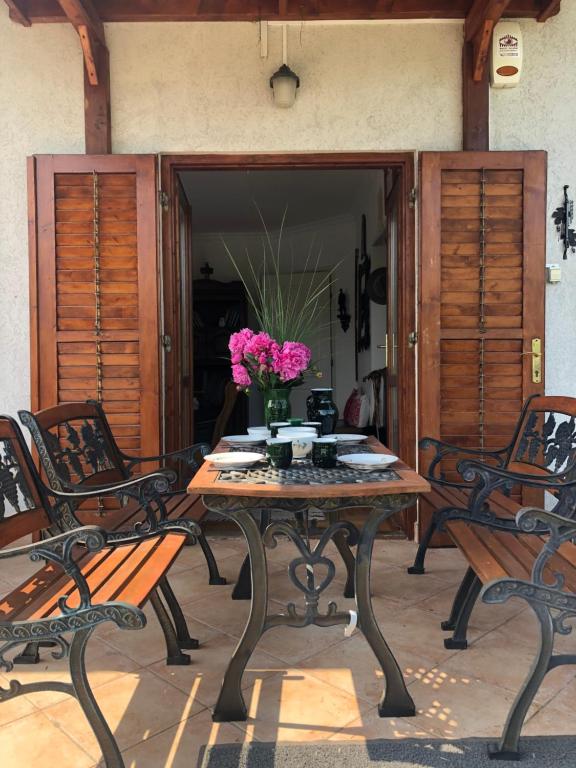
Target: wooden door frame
pixel 171 165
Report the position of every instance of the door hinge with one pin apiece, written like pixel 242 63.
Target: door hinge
pixel 413 338
pixel 164 200
pixel 412 197
pixel 166 342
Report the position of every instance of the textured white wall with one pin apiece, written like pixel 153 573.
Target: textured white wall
pixel 541 114
pixel 203 87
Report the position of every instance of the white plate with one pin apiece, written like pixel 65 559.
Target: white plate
pixel 244 439
pixel 368 462
pixel 349 438
pixel 233 460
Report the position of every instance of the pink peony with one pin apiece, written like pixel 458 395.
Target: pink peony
pixel 237 344
pixel 241 376
pixel 291 360
pixel 262 347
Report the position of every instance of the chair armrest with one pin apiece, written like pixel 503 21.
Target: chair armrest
pixel 149 491
pixel 434 472
pixel 498 476
pixel 188 455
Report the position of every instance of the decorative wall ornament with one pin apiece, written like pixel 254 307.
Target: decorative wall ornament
pixel 343 314
pixel 562 217
pixel 362 297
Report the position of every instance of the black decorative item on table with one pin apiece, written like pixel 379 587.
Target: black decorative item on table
pixel 320 407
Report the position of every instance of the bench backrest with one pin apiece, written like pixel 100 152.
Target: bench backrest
pixel 545 438
pixel 22 505
pixel 75 444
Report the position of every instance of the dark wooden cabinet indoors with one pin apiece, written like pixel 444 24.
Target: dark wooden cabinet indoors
pixel 220 309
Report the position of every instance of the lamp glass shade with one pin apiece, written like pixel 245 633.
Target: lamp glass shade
pixel 284 84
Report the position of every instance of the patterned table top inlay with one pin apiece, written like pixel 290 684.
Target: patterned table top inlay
pixel 305 473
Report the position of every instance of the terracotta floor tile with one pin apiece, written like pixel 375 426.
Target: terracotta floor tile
pixel 147 645
pixel 193 557
pixel 410 631
pixel 294 645
pixel 556 718
pixel 31 741
pixel 182 746
pixel 136 706
pixel 294 706
pixel 456 705
pixel 204 677
pixel 500 662
pixel 192 584
pixel 370 726
pixel 352 667
pixel 396 584
pixel 16 708
pixel 103 663
pixel 484 616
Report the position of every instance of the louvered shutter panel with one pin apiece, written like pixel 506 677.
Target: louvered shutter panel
pixel 482 293
pixel 94 290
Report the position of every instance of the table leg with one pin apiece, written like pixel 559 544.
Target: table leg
pixel 395 701
pixel 230 704
pixel 243 587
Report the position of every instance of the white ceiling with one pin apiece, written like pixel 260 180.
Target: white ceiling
pixel 227 201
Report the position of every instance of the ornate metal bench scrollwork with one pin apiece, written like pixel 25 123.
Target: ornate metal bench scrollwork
pixel 555 608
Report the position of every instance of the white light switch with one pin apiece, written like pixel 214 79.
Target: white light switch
pixel 553 273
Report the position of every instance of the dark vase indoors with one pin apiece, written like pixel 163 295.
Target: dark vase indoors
pixel 320 407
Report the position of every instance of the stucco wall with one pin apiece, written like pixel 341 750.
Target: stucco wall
pixel 203 87
pixel 541 114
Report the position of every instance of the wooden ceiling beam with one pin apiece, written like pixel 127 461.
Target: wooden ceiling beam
pixel 82 13
pixel 50 11
pixel 550 8
pixel 478 27
pixel 17 13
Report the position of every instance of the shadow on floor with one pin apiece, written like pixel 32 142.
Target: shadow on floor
pixel 537 752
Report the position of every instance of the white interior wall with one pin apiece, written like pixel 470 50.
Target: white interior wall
pixel 203 87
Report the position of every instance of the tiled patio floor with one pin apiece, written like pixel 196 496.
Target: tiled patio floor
pixel 302 685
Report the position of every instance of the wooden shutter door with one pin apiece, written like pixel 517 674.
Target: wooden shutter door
pixel 482 288
pixel 94 289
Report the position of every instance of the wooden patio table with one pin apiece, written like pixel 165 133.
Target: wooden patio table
pixel 237 496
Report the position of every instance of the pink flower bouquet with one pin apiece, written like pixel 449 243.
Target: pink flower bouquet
pixel 260 360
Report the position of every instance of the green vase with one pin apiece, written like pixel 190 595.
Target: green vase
pixel 276 405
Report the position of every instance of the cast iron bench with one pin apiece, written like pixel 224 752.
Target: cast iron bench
pixel 77 448
pixel 477 510
pixel 540 569
pixel 84 580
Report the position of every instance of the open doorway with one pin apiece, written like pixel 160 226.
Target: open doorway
pixel 347 213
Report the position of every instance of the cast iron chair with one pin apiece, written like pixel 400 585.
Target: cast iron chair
pixel 85 579
pixel 77 448
pixel 542 449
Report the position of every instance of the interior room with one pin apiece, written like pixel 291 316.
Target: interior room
pixel 330 226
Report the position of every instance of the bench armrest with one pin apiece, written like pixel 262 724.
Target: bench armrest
pixel 498 476
pixel 62 551
pixel 149 492
pixel 434 472
pixel 188 455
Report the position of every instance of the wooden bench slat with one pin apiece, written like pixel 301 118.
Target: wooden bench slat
pixel 480 558
pixel 512 556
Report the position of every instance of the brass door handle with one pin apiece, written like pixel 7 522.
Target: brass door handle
pixel 536 353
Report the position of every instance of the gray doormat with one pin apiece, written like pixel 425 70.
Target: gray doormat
pixel 537 752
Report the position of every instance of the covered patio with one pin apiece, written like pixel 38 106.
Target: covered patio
pixel 415 392
pixel 161 716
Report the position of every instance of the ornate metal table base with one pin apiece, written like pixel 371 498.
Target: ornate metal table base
pixel 311 572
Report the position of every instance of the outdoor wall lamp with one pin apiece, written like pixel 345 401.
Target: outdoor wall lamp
pixel 284 82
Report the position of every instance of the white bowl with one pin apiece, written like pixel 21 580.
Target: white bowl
pixel 368 462
pixel 259 432
pixel 349 438
pixel 296 432
pixel 244 439
pixel 233 459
